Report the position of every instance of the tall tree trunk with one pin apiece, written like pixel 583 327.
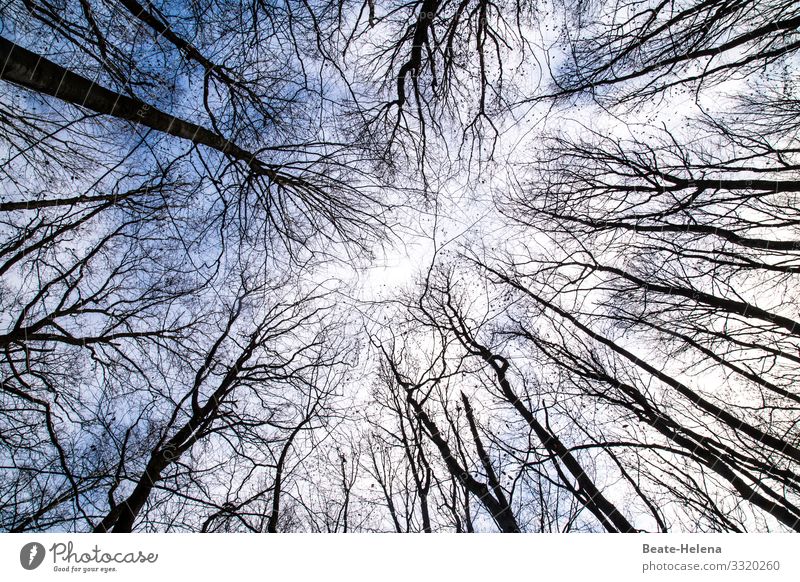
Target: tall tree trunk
pixel 35 72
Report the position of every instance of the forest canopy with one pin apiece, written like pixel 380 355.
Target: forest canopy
pixel 420 266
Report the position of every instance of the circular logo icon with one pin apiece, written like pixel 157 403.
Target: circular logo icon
pixel 31 555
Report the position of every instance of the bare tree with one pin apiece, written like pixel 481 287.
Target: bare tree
pixel 636 51
pixel 189 194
